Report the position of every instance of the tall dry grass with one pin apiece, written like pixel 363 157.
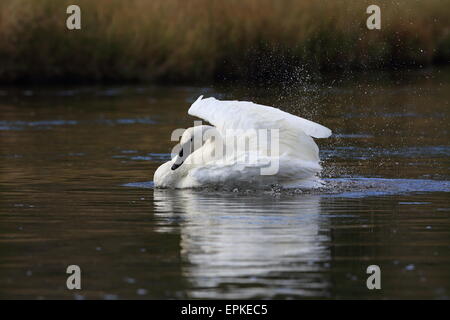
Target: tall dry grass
pixel 204 39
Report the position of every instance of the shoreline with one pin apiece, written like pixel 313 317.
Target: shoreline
pixel 175 41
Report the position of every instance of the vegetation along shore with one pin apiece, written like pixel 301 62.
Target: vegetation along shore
pixel 198 40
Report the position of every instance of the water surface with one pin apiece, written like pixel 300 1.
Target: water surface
pixel 76 169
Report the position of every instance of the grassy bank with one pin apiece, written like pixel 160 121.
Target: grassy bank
pixel 178 40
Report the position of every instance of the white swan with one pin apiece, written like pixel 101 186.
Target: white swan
pixel 212 155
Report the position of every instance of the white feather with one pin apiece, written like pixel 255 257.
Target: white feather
pixel 248 115
pixel 296 157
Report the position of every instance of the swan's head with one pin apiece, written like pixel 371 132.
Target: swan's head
pixel 169 173
pixel 185 148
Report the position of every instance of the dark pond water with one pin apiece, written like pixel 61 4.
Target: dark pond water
pixel 75 178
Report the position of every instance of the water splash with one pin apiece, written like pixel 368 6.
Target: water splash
pixel 341 187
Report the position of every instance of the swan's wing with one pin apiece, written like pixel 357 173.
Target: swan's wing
pixel 248 115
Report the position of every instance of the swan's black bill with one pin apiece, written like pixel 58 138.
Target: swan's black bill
pixel 175 166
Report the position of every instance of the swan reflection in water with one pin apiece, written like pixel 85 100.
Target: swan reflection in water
pixel 247 246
